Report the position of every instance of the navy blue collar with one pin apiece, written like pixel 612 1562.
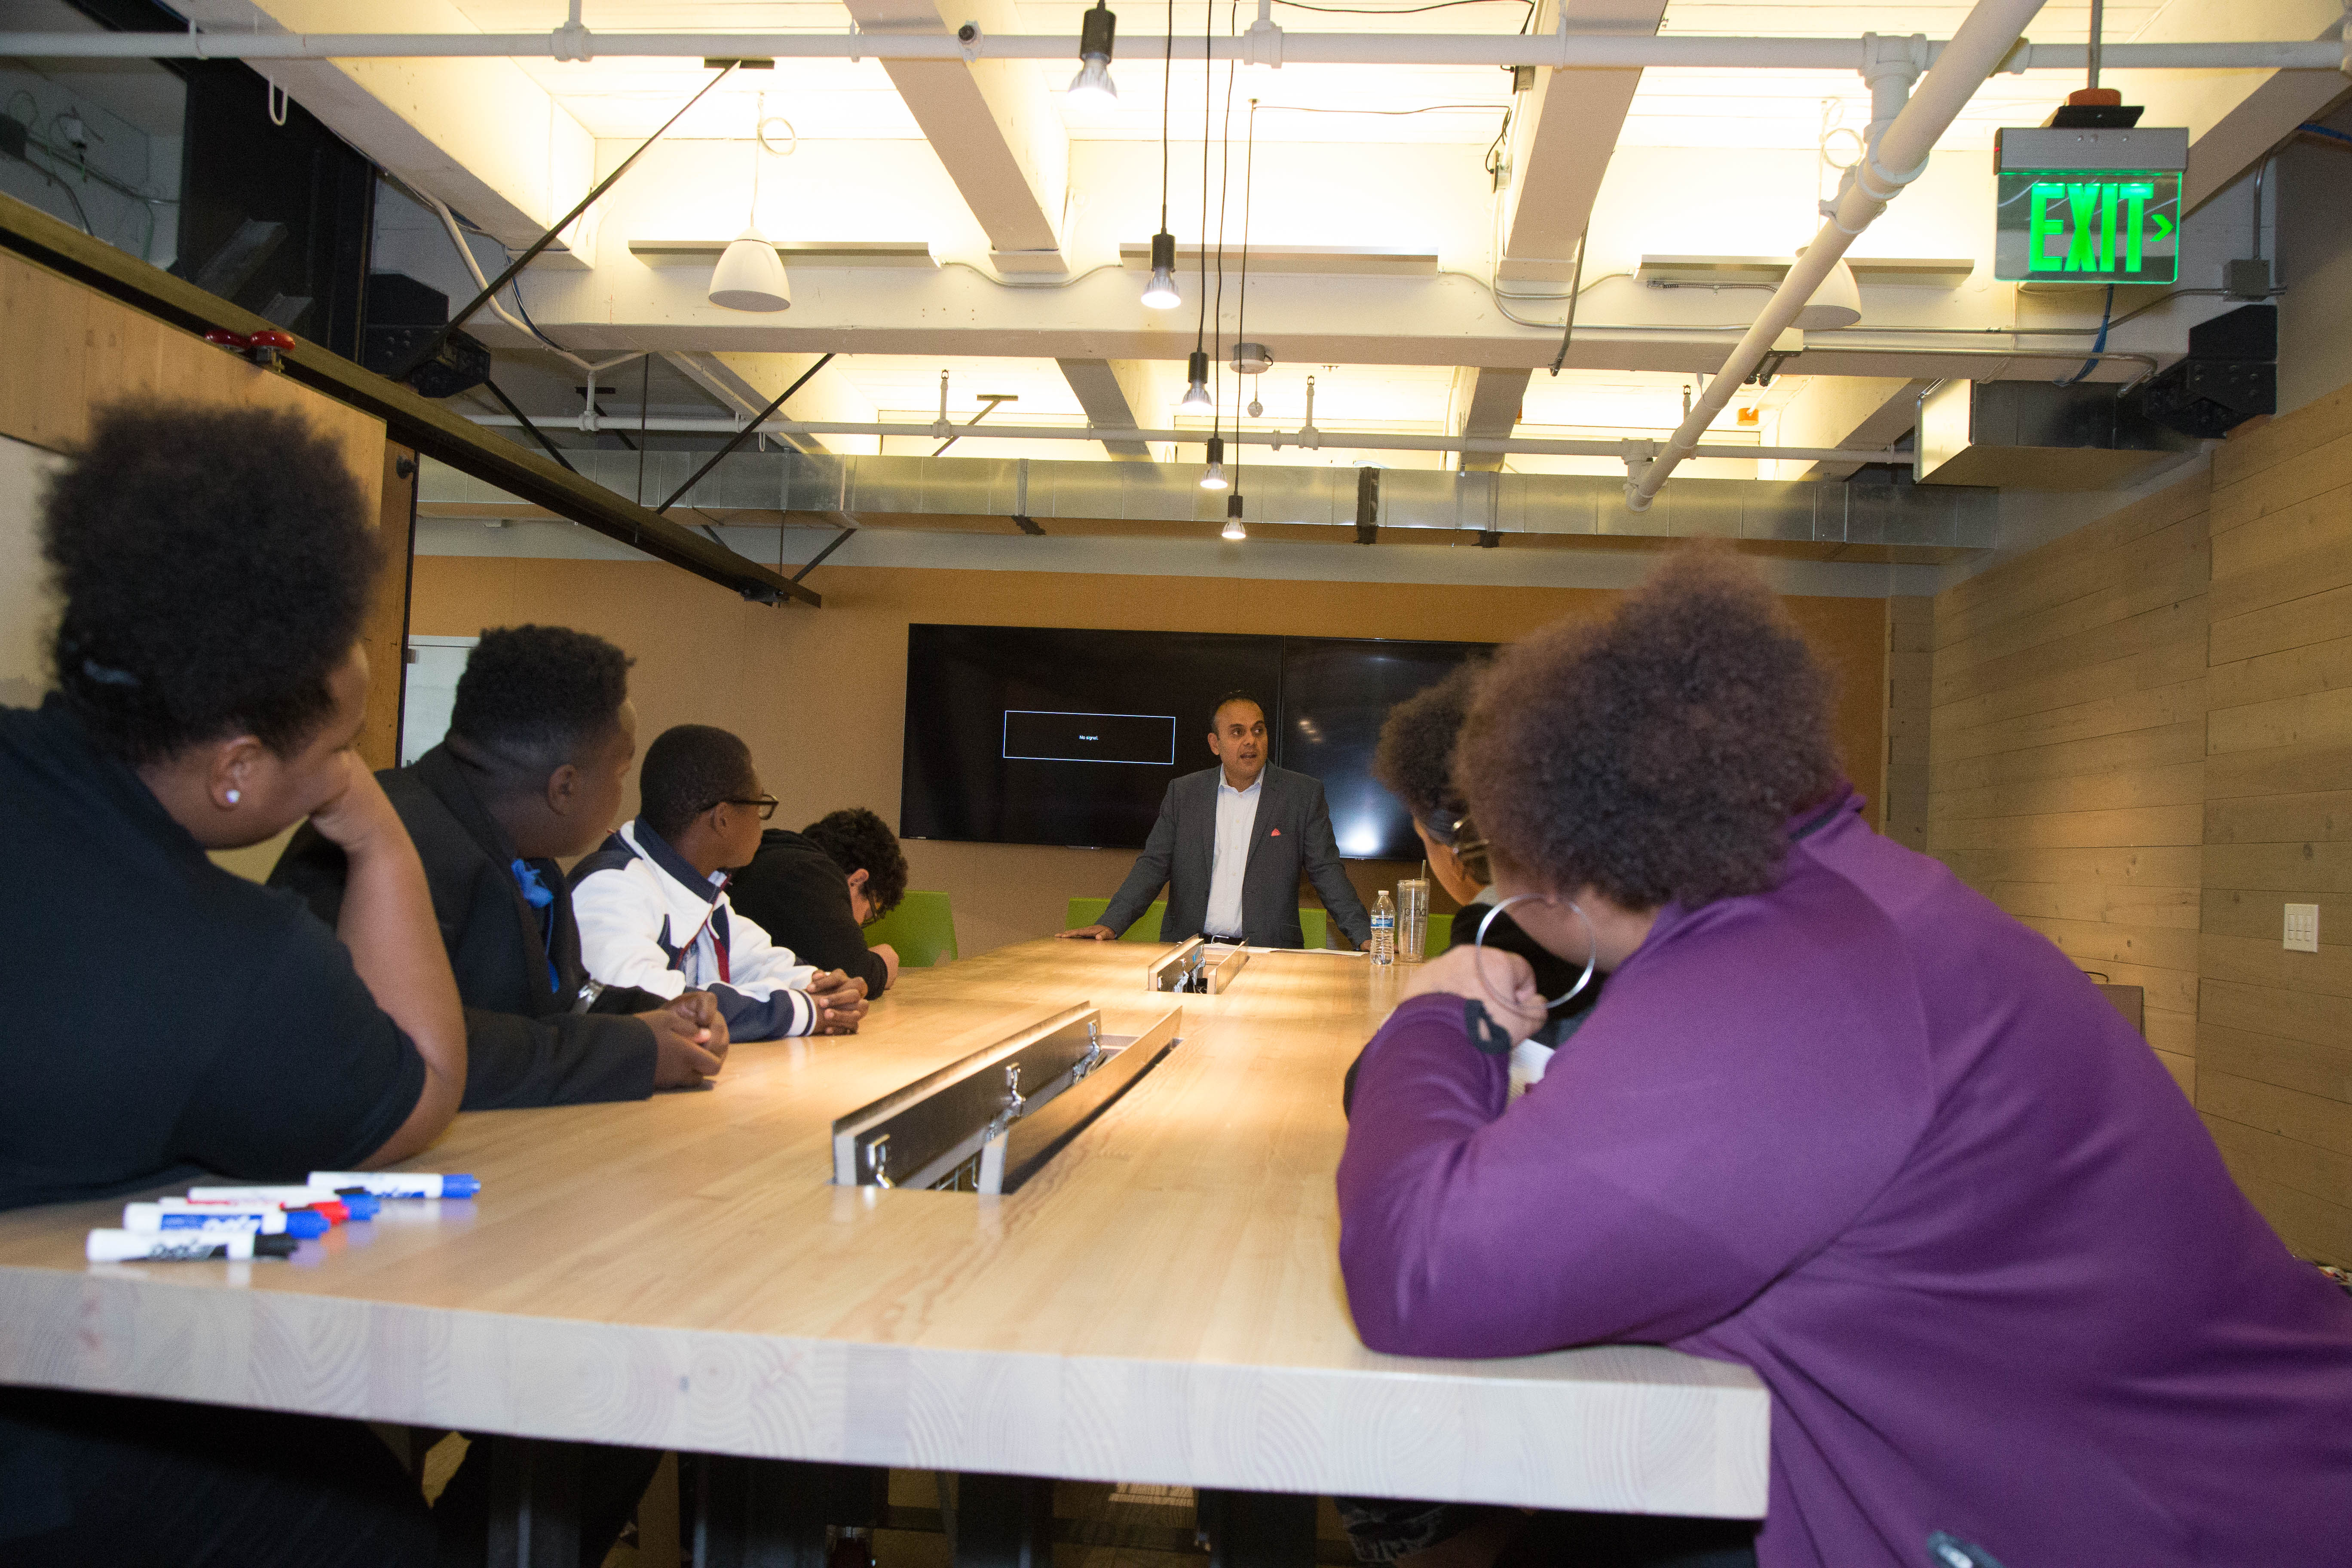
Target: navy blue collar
pixel 658 849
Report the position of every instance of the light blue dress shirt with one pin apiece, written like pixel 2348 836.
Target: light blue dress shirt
pixel 1237 821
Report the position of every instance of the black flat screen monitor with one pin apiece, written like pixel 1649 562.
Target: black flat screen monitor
pixel 1047 735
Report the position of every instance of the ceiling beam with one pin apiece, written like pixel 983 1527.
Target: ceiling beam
pixel 1565 129
pixel 479 133
pixel 993 124
pixel 1492 409
pixel 1855 411
pixel 1111 391
pixel 745 384
pixel 2235 117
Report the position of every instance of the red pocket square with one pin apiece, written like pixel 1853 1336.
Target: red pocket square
pixel 1275 832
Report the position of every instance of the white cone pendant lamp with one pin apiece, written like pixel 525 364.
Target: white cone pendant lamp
pixel 750 277
pixel 1837 304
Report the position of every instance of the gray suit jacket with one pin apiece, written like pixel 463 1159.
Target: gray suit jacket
pixel 1292 830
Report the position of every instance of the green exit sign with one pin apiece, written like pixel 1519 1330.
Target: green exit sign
pixel 2075 226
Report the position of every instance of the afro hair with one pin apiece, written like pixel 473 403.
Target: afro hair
pixel 216 565
pixel 854 838
pixel 1657 756
pixel 1415 759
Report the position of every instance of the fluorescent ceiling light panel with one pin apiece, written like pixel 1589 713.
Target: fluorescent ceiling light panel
pixel 799 254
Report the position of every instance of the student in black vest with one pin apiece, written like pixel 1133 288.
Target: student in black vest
pixel 171 1018
pixel 539 743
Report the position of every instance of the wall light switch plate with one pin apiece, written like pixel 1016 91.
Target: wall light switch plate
pixel 2302 928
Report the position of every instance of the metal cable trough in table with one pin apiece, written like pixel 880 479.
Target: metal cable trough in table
pixel 1160 1303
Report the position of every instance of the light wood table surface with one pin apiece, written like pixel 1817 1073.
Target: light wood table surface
pixel 1161 1304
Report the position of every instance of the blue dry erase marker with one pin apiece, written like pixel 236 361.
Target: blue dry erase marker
pixel 222 1218
pixel 398 1184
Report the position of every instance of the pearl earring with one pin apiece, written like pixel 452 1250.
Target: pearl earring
pixel 233 797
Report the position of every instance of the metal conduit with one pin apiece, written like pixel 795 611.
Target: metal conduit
pixel 1895 157
pixel 1558 49
pixel 1337 439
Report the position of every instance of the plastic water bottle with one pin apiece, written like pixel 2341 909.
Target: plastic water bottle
pixel 1385 929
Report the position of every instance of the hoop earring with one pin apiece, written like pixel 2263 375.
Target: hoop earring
pixel 1593 951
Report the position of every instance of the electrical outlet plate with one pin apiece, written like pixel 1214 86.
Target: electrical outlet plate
pixel 2302 928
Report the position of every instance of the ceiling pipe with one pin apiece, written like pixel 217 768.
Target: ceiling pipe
pixel 1558 49
pixel 1275 439
pixel 1895 157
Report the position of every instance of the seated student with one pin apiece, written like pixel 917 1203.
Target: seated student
pixel 171 1018
pixel 1415 761
pixel 1839 1120
pixel 813 890
pixel 538 747
pixel 653 906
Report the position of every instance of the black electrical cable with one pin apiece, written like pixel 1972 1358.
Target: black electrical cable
pixel 1167 90
pixel 1224 187
pixel 1208 88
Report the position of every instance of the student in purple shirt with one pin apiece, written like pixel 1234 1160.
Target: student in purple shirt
pixel 1837 1119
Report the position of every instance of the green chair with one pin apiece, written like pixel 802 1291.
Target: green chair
pixel 922 928
pixel 1441 935
pixel 1089 911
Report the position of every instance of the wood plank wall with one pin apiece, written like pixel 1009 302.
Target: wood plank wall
pixel 2274 1037
pixel 1910 697
pixel 2067 744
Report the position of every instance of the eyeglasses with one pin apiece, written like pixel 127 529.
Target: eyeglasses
pixel 766 802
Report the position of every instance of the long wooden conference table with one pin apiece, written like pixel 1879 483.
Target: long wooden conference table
pixel 1161 1303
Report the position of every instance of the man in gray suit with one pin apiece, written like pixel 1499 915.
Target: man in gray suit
pixel 1229 844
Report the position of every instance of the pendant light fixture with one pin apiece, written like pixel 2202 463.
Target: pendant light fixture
pixel 1212 477
pixel 1159 293
pixel 1233 529
pixel 751 275
pixel 1196 385
pixel 1837 304
pixel 1092 86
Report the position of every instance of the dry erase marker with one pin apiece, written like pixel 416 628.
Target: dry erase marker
pixel 329 1209
pixel 222 1218
pixel 360 1204
pixel 398 1184
pixel 184 1247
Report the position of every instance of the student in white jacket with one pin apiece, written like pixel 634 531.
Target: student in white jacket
pixel 652 902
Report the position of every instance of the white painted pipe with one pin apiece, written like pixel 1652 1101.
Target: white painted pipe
pixel 1570 50
pixel 1897 158
pixel 1335 439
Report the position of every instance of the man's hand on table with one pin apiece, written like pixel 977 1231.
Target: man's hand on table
pixel 1088 933
pixel 840 1001
pixel 689 1040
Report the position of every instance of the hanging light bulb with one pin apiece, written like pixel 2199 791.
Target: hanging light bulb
pixel 1196 399
pixel 1233 529
pixel 1160 294
pixel 1092 86
pixel 750 274
pixel 1212 477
